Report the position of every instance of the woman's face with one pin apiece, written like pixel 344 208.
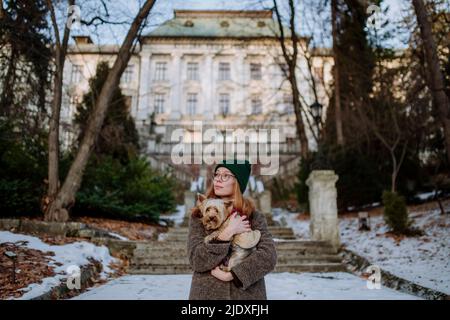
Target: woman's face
pixel 224 188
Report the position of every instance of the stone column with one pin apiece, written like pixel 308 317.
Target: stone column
pixel 239 100
pixel 189 202
pixel 265 205
pixel 207 86
pixel 142 107
pixel 176 84
pixel 204 174
pixel 324 225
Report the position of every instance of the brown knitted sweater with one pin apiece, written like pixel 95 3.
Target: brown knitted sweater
pixel 249 275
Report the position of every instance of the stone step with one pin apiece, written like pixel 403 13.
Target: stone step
pixel 160 269
pixel 284 244
pixel 170 252
pixel 269 227
pixel 185 238
pixel 315 267
pixel 281 251
pixel 274 233
pixel 271 230
pixel 178 260
pixel 167 236
pixel 185 269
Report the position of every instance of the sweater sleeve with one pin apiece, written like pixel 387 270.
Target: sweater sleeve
pixel 261 261
pixel 204 256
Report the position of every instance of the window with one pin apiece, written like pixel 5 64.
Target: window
pixel 290 143
pixel 160 71
pixel 318 74
pixel 75 77
pixel 128 102
pixel 73 103
pixel 255 71
pixel 192 103
pixel 159 103
pixel 224 103
pixel 192 71
pixel 284 69
pixel 224 71
pixel 127 75
pixel 288 105
pixel 256 106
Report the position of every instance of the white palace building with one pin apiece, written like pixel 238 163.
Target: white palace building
pixel 223 68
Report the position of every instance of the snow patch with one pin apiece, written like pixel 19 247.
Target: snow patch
pixel 280 286
pixel 76 253
pixel 177 217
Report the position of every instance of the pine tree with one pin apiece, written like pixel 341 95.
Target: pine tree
pixel 24 61
pixel 118 137
pixel 356 62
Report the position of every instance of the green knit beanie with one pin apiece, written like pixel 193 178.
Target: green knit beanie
pixel 239 168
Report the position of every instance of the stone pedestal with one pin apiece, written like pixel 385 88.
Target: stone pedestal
pixel 265 202
pixel 265 205
pixel 189 202
pixel 324 225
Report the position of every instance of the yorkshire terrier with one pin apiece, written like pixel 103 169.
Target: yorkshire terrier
pixel 215 218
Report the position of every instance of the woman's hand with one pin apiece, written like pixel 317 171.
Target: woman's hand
pixel 236 225
pixel 222 275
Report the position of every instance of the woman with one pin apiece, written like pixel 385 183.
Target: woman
pixel 246 280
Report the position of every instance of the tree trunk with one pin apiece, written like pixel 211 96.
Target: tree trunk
pixel 394 172
pixel 337 92
pixel 436 80
pixel 304 147
pixel 66 195
pixel 53 136
pixel 10 78
pixel 291 62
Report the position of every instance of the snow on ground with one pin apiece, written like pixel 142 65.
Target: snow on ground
pixel 287 219
pixel 424 260
pixel 76 253
pixel 426 195
pixel 118 236
pixel 280 286
pixel 176 217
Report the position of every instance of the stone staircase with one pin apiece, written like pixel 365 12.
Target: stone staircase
pixel 169 254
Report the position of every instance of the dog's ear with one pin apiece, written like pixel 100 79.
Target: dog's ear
pixel 200 198
pixel 228 203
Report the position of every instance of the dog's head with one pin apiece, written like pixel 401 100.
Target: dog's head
pixel 214 211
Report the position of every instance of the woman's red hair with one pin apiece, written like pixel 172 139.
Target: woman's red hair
pixel 241 203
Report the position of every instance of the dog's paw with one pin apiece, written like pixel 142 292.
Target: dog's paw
pixel 249 239
pixel 225 268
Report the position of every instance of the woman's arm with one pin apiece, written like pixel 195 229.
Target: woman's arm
pixel 261 261
pixel 204 256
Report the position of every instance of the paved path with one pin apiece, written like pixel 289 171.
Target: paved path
pixel 289 286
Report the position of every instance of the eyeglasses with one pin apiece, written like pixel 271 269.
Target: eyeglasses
pixel 223 177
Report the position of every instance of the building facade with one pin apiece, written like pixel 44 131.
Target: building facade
pixel 220 69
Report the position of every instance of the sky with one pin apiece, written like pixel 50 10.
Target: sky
pixel 125 10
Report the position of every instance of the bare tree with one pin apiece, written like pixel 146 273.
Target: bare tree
pixel 435 77
pixel 337 94
pixel 58 209
pixel 291 62
pixel 60 52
